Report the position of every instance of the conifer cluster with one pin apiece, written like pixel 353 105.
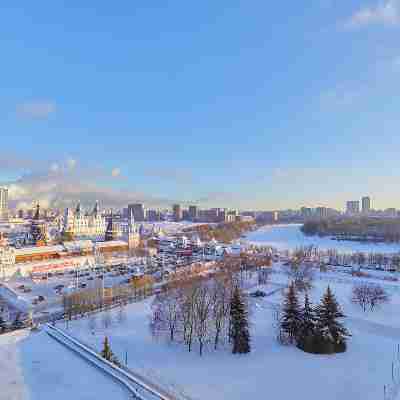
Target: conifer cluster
pixel 314 329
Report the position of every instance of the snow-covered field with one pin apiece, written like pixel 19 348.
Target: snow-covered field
pixel 34 366
pixel 289 237
pixel 271 370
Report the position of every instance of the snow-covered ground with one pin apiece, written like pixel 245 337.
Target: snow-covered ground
pixel 289 237
pixel 11 372
pixel 34 366
pixel 271 370
pixel 170 227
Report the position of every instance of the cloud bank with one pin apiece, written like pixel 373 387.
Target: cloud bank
pixel 64 183
pixel 385 13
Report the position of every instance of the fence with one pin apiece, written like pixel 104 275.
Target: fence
pixel 392 389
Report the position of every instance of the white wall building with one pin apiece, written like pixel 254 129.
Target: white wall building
pixel 80 223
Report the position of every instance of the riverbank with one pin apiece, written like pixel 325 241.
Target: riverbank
pixel 224 232
pixel 365 229
pixel 290 237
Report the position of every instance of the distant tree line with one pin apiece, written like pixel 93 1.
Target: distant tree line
pixel 223 232
pixel 368 229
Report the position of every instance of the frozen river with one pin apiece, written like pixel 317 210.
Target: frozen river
pixel 290 237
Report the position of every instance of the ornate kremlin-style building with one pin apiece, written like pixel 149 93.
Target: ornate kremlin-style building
pixel 39 254
pixel 79 223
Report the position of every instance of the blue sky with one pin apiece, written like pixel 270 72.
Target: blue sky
pixel 260 105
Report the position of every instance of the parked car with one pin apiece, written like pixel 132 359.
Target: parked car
pixel 258 293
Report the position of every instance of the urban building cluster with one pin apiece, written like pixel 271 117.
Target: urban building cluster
pixel 192 213
pixel 362 208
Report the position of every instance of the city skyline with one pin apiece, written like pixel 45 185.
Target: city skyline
pixel 185 104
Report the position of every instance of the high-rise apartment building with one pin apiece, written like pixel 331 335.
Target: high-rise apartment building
pixel 138 211
pixel 193 213
pixel 353 207
pixel 322 212
pixel 366 204
pixel 153 215
pixel 177 212
pixel 3 203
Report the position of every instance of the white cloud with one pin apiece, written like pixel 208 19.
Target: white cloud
pixel 384 13
pixel 115 172
pixel 63 183
pixel 36 109
pixel 71 163
pixel 54 168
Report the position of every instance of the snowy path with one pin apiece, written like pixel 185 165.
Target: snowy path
pixel 137 386
pixel 53 372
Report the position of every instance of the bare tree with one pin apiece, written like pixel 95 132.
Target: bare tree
pixel 360 295
pixel 369 295
pixel 187 313
pixel 378 296
pixel 106 319
pixel 121 316
pixel 202 310
pixel 195 309
pixel 221 296
pixel 301 273
pixel 92 322
pixel 263 275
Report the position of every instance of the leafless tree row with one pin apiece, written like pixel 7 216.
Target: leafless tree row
pixel 195 313
pixel 81 302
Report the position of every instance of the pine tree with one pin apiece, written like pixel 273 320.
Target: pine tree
pixel 291 318
pixel 307 326
pixel 108 354
pixel 331 332
pixel 3 324
pixel 240 335
pixel 18 323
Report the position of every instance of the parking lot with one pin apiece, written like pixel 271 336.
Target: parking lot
pixel 45 292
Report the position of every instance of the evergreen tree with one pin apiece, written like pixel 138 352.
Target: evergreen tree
pixel 330 332
pixel 307 326
pixel 108 354
pixel 18 323
pixel 239 325
pixel 291 318
pixel 3 324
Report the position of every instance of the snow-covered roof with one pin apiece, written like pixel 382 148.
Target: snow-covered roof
pixel 38 250
pixel 77 245
pixel 111 243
